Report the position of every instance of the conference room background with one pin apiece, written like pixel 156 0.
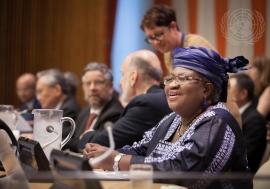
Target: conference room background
pixel 67 34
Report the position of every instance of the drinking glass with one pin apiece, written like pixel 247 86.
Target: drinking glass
pixel 9 116
pixel 141 176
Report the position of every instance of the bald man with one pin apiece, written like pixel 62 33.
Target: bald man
pixel 25 88
pixel 147 103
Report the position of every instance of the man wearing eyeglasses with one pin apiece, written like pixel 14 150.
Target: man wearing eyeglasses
pixel 97 85
pixel 52 93
pixel 146 101
pixel 160 27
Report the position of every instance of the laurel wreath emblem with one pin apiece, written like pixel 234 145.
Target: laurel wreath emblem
pixel 242 26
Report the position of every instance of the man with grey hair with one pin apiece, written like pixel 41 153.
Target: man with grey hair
pixel 72 82
pixel 52 93
pixel 97 85
pixel 147 104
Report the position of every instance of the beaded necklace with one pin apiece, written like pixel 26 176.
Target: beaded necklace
pixel 180 125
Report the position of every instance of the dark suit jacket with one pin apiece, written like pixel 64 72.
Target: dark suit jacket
pixel 141 114
pixel 70 109
pixel 254 131
pixel 29 116
pixel 111 112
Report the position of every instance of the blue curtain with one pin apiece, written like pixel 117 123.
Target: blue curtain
pixel 127 37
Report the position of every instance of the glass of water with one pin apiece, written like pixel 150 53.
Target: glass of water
pixel 9 116
pixel 141 176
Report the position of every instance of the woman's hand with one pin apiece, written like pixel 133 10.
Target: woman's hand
pixel 93 150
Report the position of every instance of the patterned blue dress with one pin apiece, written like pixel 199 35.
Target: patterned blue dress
pixel 213 144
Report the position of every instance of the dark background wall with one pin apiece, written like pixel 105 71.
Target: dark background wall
pixel 42 34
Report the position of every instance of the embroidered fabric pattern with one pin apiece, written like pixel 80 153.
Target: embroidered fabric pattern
pixel 220 105
pixel 148 135
pixel 181 124
pixel 167 150
pixel 220 159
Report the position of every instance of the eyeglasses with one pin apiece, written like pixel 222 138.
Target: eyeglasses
pixel 24 90
pixel 96 83
pixel 179 79
pixel 158 36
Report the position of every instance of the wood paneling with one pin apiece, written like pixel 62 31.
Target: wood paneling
pixel 42 34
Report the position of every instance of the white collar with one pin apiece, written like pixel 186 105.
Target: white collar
pixel 59 105
pixel 98 111
pixel 243 108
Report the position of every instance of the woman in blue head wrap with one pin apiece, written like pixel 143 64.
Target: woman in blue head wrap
pixel 200 135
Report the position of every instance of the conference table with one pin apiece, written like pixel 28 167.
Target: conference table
pixel 104 184
pixel 111 181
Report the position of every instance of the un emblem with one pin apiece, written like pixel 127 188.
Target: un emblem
pixel 242 26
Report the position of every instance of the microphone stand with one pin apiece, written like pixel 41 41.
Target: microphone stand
pixel 98 159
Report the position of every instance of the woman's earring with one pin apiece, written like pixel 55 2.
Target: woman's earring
pixel 204 104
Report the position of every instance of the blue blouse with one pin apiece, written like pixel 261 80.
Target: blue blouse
pixel 211 145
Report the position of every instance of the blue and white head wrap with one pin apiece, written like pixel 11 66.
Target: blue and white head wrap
pixel 210 64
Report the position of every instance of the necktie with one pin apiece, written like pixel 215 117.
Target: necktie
pixel 89 121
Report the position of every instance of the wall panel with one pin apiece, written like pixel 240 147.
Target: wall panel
pixel 64 34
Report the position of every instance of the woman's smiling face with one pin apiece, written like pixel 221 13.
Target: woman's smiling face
pixel 186 96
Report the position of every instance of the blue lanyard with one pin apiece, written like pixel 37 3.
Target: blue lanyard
pixel 182 40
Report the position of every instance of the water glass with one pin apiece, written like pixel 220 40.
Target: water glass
pixel 141 176
pixel 9 116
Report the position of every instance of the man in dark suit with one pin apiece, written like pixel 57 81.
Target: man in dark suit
pixel 25 89
pixel 98 91
pixel 254 126
pixel 52 93
pixel 147 104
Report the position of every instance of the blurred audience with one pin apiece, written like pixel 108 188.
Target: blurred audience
pixel 72 83
pixel 25 89
pixel 52 93
pixel 142 74
pixel 260 74
pixel 162 32
pixel 98 91
pixel 253 124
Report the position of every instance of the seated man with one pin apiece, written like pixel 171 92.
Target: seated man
pixel 253 124
pixel 52 93
pixel 201 135
pixel 147 103
pixel 98 91
pixel 25 88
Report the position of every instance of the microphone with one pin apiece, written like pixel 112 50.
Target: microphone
pixel 108 125
pixel 50 129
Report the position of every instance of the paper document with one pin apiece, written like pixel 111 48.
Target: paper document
pixel 23 126
pixel 111 175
